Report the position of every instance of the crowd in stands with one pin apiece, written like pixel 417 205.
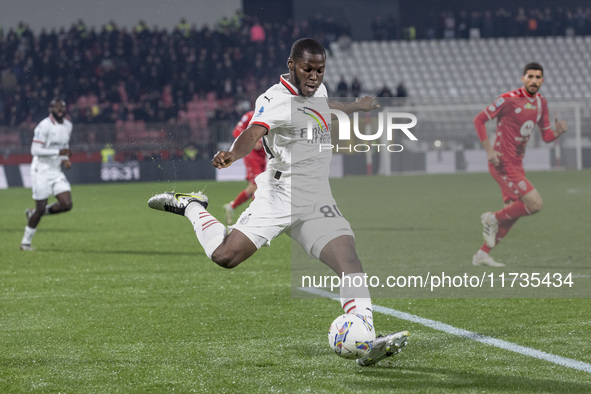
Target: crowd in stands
pixel 489 23
pixel 148 74
pixel 116 74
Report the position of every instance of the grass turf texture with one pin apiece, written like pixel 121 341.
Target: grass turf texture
pixel 120 298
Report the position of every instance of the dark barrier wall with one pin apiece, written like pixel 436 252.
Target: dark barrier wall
pixel 144 171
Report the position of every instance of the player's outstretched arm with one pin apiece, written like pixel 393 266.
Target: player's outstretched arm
pixel 364 104
pixel 491 155
pixel 241 147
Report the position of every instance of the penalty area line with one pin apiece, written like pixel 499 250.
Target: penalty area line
pixel 436 325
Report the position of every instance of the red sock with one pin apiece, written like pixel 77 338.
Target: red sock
pixel 241 199
pixel 485 248
pixel 513 211
pixel 504 228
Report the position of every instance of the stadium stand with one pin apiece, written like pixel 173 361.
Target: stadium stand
pixel 147 89
pixel 465 68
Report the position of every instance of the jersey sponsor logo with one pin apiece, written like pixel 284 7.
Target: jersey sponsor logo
pixel 522 185
pixel 499 102
pixel 317 116
pixel 526 128
pixel 529 106
pixel 260 112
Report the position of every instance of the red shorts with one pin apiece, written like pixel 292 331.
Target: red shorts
pixel 512 181
pixel 255 163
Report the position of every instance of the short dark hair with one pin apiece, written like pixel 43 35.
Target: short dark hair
pixel 309 45
pixel 533 66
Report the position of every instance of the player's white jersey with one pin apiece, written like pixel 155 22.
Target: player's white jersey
pixel 296 164
pixel 50 136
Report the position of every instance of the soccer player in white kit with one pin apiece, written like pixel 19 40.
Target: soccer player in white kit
pixel 293 195
pixel 50 149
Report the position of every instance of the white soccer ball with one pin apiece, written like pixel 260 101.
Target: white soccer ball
pixel 351 336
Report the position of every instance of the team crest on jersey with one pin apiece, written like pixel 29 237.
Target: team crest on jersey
pixel 517 110
pixel 260 112
pixel 492 108
pixel 526 128
pixel 499 102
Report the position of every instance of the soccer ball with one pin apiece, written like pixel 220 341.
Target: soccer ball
pixel 351 336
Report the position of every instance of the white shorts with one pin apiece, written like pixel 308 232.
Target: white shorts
pixel 48 184
pixel 313 226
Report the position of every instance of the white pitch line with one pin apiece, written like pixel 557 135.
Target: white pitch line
pixel 526 351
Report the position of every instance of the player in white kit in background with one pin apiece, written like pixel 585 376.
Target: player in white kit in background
pixel 50 149
pixel 293 194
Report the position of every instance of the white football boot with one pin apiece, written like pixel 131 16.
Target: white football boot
pixel 229 213
pixel 176 202
pixel 27 247
pixel 490 226
pixel 384 346
pixel 483 258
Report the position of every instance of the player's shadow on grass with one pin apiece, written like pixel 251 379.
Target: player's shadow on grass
pixel 450 380
pixel 405 229
pixel 125 252
pixel 49 230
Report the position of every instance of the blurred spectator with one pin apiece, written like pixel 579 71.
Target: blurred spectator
pixel 401 91
pixel 342 87
pixel 190 153
pixel 344 42
pixel 377 28
pixel 401 94
pixel 257 32
pixel 385 92
pixel 108 153
pixel 449 25
pixel 355 87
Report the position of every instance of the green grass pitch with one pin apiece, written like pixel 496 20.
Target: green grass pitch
pixel 121 298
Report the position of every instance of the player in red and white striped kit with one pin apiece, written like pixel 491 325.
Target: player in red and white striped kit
pixel 517 112
pixel 255 163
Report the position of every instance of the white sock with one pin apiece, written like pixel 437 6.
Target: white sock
pixel 210 232
pixel 28 235
pixel 355 296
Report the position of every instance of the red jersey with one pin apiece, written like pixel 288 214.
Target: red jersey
pixel 517 112
pixel 256 160
pixel 243 124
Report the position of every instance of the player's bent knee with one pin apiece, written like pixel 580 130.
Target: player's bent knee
pixel 225 259
pixel 535 206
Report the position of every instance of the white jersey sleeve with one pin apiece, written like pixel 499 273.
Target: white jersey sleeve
pixel 272 110
pixel 40 139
